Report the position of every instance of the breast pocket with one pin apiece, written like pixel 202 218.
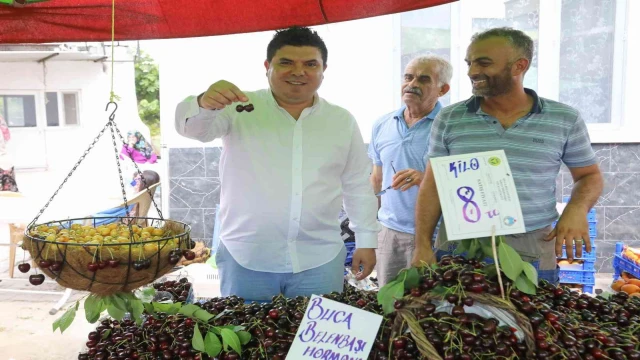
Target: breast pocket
pixel 417 150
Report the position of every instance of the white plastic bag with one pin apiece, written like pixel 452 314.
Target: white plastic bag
pixel 364 284
pixel 486 311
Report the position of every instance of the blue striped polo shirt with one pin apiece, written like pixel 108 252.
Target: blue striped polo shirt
pixel 536 145
pixel 393 140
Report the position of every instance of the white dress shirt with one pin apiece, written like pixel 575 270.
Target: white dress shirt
pixel 283 181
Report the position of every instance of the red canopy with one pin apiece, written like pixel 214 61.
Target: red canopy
pixel 90 20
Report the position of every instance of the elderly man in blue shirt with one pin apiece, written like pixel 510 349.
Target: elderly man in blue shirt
pixel 398 149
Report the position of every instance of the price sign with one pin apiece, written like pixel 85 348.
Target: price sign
pixel 477 192
pixel 332 330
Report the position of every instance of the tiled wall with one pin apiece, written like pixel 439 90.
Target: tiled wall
pixel 617 209
pixel 195 190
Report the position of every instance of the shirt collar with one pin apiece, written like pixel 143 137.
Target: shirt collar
pixel 473 103
pixel 432 115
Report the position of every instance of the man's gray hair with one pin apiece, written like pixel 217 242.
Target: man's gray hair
pixel 445 70
pixel 518 39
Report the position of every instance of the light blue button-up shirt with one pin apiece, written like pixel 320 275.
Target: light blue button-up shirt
pixel 393 140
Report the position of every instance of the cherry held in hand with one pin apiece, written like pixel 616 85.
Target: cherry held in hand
pixel 247 108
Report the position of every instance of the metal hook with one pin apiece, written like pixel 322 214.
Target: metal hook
pixel 113 114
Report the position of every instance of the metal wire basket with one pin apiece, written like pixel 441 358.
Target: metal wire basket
pixel 85 254
pixel 100 265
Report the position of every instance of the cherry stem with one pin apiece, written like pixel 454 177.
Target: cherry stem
pixel 110 252
pixel 495 259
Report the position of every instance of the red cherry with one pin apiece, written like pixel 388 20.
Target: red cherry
pixel 93 267
pixel 113 263
pixel 24 267
pixel 273 313
pixel 399 343
pixel 36 279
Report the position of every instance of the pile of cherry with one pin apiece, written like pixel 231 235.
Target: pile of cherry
pixel 180 290
pixel 566 325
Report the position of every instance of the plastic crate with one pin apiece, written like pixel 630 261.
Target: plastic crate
pixel 585 288
pixel 351 247
pixel 585 254
pixel 577 277
pixel 586 265
pixel 621 264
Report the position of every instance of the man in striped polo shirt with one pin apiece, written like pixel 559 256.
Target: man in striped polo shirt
pixel 537 135
pixel 400 142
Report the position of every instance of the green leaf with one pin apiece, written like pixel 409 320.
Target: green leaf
pixel 212 345
pixel 223 313
pixel 149 292
pixel 106 334
pixel 188 310
pixel 462 246
pixel 197 341
pixel 413 278
pixel 244 337
pixel 94 305
pixel 202 315
pixel 525 285
pixel 439 290
pixel 175 307
pixel 490 270
pixel 66 319
pixel 230 339
pixel 388 294
pixel 606 295
pixel 116 301
pixel 510 261
pixel 530 272
pixel 115 312
pixel 473 249
pixel 136 310
pixel 149 308
pixel 487 250
pixel 160 307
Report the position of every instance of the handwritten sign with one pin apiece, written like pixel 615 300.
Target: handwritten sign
pixel 332 330
pixel 476 192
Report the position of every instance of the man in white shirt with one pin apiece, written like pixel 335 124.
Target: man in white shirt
pixel 285 169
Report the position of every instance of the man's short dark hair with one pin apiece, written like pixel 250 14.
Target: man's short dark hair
pixel 296 36
pixel 518 39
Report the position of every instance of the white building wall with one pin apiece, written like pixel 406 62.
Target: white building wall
pixel 64 145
